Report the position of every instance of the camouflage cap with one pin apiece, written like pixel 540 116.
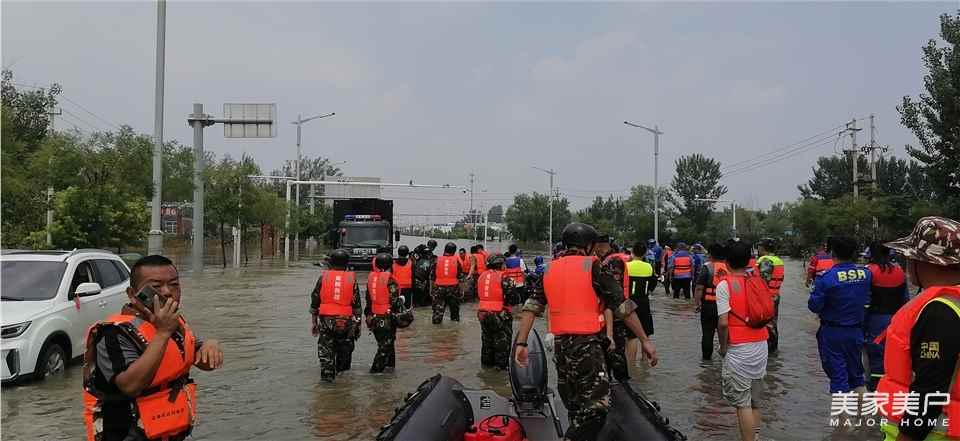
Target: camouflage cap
pixel 934 240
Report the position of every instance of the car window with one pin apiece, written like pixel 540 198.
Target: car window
pixel 109 276
pixel 124 274
pixel 31 280
pixel 83 274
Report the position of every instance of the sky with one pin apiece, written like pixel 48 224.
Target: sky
pixel 434 91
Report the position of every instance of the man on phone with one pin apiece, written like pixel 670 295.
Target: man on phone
pixel 137 383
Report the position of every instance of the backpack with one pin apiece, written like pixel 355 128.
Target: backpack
pixel 497 428
pixel 758 299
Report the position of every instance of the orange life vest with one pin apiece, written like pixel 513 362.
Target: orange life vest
pixel 403 274
pixel 515 274
pixel 447 271
pixel 752 263
pixel 490 291
pixel 822 266
pixel 887 288
pixel 573 305
pixel 464 263
pixel 378 289
pixel 776 277
pixel 898 363
pixel 373 265
pixel 481 263
pixel 740 332
pixel 336 293
pixel 168 406
pixel 626 279
pixel 719 272
pixel 682 267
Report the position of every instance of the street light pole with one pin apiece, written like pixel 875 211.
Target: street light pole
pixel 299 122
pixel 656 176
pixel 155 236
pixel 549 207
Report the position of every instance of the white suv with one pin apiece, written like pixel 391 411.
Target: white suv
pixel 49 299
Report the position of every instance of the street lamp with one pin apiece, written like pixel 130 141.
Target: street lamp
pixel 550 207
pixel 733 208
pixel 299 123
pixel 656 183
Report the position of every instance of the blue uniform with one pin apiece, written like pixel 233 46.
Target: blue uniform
pixel 840 297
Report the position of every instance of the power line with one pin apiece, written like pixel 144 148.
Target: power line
pixel 85 122
pixel 88 111
pixel 779 151
pixel 822 144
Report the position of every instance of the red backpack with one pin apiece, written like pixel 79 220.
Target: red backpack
pixel 758 298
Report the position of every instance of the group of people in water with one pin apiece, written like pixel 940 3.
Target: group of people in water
pixel 596 298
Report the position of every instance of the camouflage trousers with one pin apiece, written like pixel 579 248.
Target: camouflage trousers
pixel 582 383
pixel 444 296
pixel 386 335
pixel 617 358
pixel 335 345
pixel 496 334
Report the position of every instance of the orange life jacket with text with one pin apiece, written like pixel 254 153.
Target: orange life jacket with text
pixel 573 305
pixel 897 359
pixel 740 332
pixel 168 406
pixel 336 293
pixel 490 291
pixel 447 271
pixel 378 288
pixel 403 274
pixel 626 279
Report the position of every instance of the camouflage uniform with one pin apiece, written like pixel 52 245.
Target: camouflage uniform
pixel 338 334
pixel 581 368
pixel 443 296
pixel 384 330
pixel 617 358
pixel 496 330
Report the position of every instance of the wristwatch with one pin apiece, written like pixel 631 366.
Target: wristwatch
pixel 524 344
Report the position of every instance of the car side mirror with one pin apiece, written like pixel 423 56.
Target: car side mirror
pixel 88 289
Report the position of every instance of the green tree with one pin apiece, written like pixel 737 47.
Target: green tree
pixel 177 172
pixel 697 176
pixel 639 213
pixel 934 117
pixel 95 216
pixel 495 214
pixel 527 217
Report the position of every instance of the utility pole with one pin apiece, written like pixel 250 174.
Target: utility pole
pixel 550 197
pixel 656 176
pixel 198 120
pixel 155 236
pixel 299 123
pixel 472 217
pixel 53 116
pixel 854 155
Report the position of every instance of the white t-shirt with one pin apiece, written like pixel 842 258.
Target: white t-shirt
pixel 745 359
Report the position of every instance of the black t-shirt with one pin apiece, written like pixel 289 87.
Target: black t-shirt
pixel 934 349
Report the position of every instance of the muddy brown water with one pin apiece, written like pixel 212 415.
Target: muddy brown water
pixel 270 388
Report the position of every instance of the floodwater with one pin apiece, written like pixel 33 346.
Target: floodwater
pixel 270 388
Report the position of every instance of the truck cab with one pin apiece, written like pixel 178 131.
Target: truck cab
pixel 365 235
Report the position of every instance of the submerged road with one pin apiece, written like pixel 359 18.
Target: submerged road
pixel 270 385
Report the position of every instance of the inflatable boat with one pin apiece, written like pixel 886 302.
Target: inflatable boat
pixel 441 409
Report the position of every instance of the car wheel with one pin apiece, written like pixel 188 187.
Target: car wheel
pixel 52 361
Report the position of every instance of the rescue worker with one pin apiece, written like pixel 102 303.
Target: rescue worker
pixel 888 292
pixel 335 311
pixel 383 302
pixel 641 276
pixel 770 268
pixel 538 265
pixel 664 258
pixel 615 264
pixel 743 348
pixel 579 295
pixel 652 258
pixel 446 291
pixel 840 297
pixel 705 297
pixel 680 268
pixel 495 298
pixel 402 271
pixel 144 352
pixel 699 259
pixel 922 354
pixel 820 262
pixel 478 264
pixel 514 269
pixel 423 263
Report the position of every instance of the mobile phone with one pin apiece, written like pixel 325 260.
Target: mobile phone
pixel 145 297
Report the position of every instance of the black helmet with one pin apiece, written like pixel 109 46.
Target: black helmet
pixel 403 251
pixel 339 258
pixel 432 244
pixel 495 261
pixel 450 248
pixel 578 235
pixel 383 261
